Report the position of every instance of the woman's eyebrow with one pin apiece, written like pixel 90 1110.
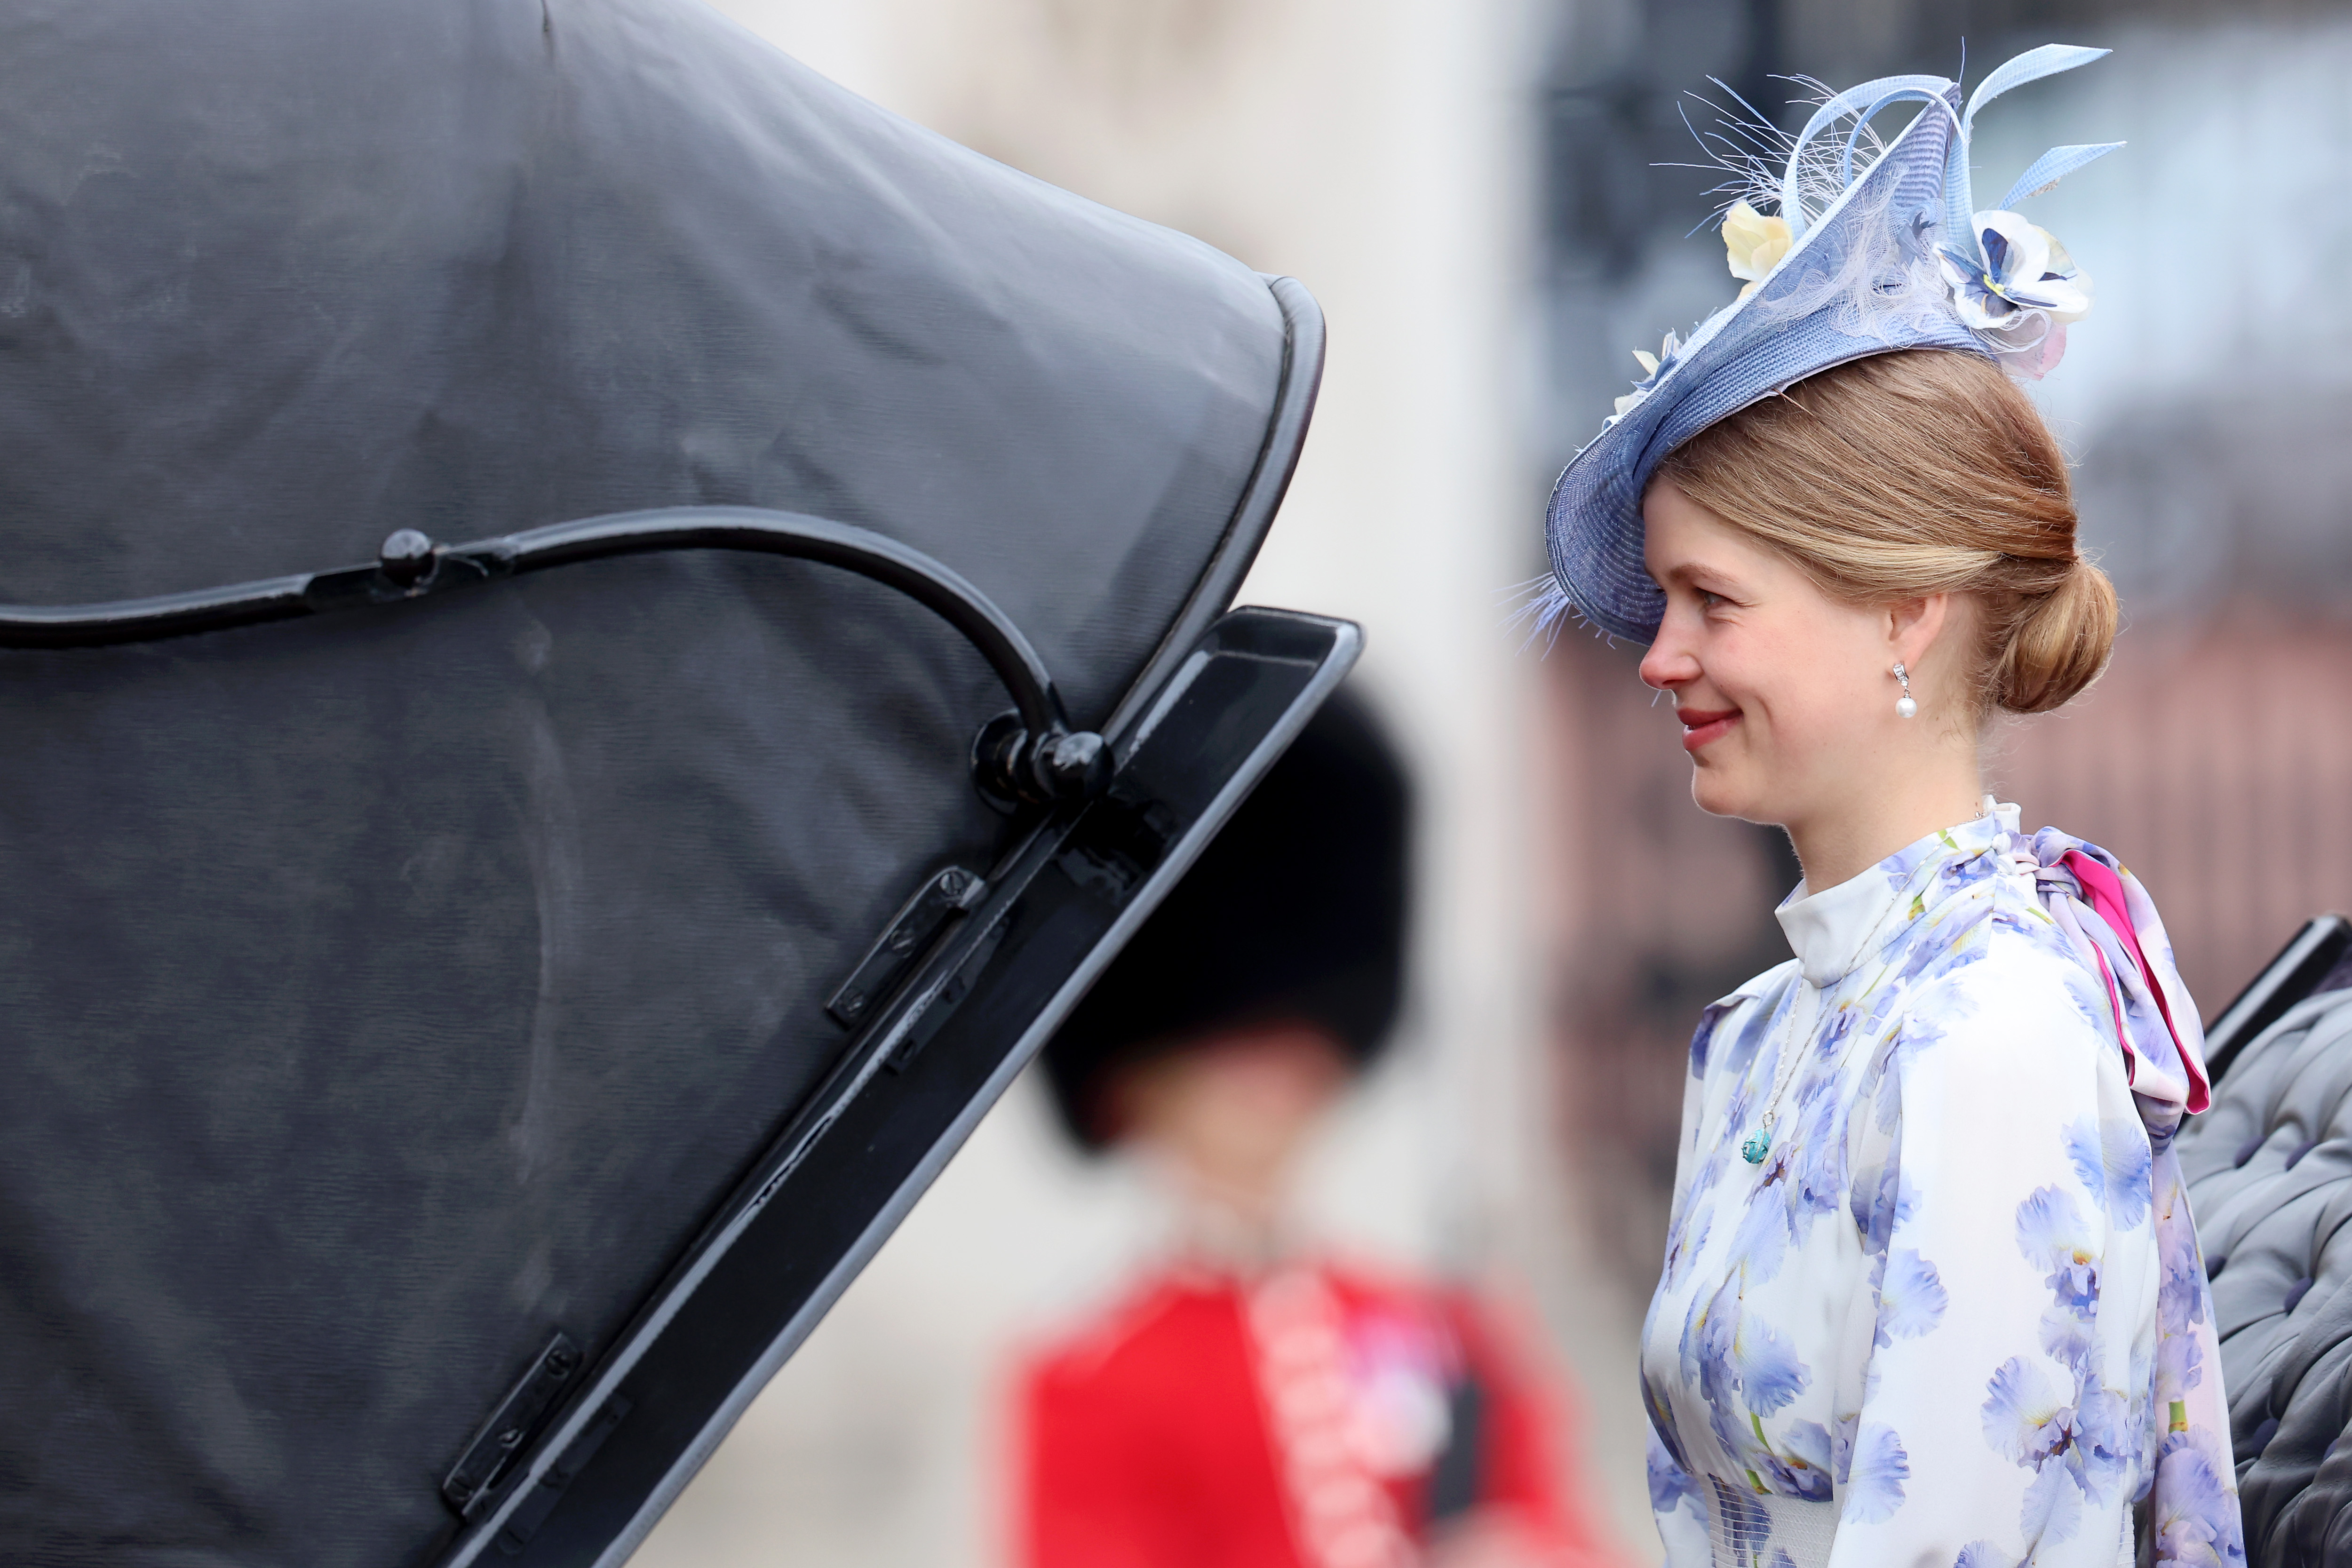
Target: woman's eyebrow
pixel 1689 572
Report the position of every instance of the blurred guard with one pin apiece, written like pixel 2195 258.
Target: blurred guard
pixel 1248 1404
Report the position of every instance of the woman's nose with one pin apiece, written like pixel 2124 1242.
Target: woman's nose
pixel 1667 666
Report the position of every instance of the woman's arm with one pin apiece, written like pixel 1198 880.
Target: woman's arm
pixel 1731 1024
pixel 1996 1411
pixel 1682 1517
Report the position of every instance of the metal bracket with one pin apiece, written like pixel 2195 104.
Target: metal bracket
pixel 928 1015
pixel 512 1425
pixel 523 1521
pixel 910 930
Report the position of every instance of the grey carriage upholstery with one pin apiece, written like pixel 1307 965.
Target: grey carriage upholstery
pixel 2269 1178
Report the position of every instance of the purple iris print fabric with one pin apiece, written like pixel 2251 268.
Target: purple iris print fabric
pixel 1956 1313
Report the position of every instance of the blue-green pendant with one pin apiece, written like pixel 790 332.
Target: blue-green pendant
pixel 1757 1146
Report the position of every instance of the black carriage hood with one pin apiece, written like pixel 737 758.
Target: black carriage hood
pixel 280 276
pixel 383 993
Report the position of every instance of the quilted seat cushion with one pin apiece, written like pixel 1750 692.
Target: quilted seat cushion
pixel 2270 1180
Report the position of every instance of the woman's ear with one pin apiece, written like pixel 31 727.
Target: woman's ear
pixel 1914 624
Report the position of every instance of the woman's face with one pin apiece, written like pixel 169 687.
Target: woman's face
pixel 1786 695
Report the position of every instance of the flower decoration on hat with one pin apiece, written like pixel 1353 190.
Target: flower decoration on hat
pixel 1753 243
pixel 2013 283
pixel 2023 296
pixel 1653 365
pixel 2025 271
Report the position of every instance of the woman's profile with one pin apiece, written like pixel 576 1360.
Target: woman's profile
pixel 1931 1294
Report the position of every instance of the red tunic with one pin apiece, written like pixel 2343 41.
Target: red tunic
pixel 1309 1419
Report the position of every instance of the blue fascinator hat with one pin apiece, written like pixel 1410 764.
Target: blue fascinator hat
pixel 1896 257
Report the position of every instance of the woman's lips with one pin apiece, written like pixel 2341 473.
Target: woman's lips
pixel 1699 729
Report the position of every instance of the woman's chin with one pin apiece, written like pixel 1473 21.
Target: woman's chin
pixel 1720 792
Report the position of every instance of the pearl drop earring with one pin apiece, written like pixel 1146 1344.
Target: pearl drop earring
pixel 1904 706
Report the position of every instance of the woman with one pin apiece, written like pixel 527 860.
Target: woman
pixel 1931 1294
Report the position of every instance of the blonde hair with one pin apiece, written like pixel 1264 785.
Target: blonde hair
pixel 1923 471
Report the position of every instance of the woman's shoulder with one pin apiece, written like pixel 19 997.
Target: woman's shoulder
pixel 1990 929
pixel 2015 991
pixel 1733 1024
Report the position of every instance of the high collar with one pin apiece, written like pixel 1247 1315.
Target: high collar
pixel 1833 931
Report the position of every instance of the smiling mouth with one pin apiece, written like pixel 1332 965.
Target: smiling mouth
pixel 1700 728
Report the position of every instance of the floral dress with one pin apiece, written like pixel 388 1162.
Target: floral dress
pixel 1945 1307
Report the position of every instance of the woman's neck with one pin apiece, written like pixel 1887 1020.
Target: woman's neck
pixel 1840 842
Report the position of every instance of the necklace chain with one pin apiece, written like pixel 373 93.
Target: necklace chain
pixel 1760 1143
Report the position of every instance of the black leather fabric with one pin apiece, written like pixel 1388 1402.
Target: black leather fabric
pixel 2270 1181
pixel 386 992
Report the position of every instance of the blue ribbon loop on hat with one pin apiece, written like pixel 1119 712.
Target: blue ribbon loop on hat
pixel 2053 166
pixel 1878 94
pixel 1959 209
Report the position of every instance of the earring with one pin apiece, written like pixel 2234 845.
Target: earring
pixel 1904 706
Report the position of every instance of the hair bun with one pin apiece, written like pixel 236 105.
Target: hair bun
pixel 1922 471
pixel 2061 645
